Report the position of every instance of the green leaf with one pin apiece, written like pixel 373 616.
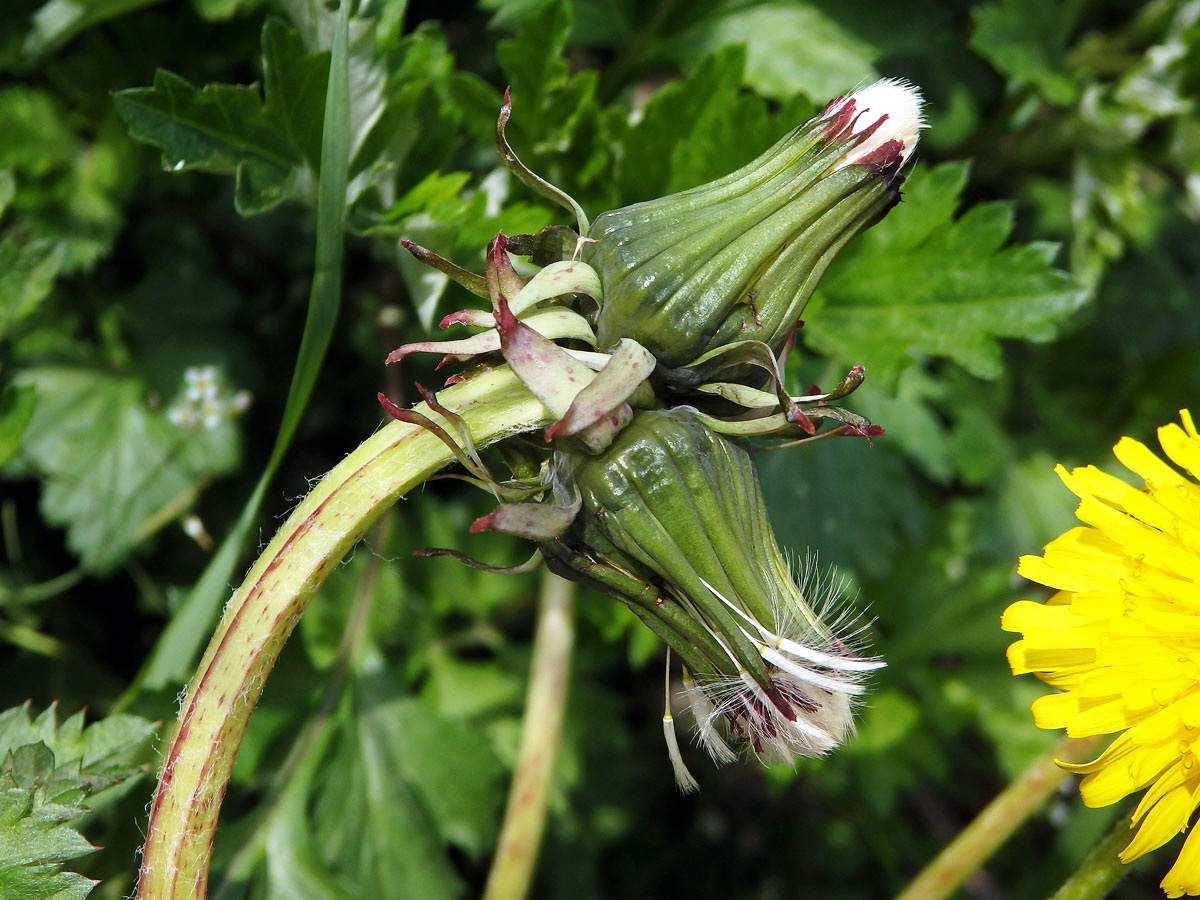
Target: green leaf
pixel 556 128
pixel 1026 40
pixel 8 189
pixel 219 10
pixel 374 821
pixel 272 146
pixel 27 274
pixel 509 13
pixel 460 688
pixel 852 504
pixel 68 756
pixel 790 48
pixel 910 420
pixel 397 783
pixel 173 653
pixel 47 772
pixel 1034 508
pixel 60 20
pixel 698 129
pixel 37 136
pixel 114 470
pixel 923 284
pixel 440 212
pixel 218 129
pixel 888 720
pixel 64 179
pixel 32 847
pixel 533 64
pixel 296 82
pixel 450 768
pixel 16 409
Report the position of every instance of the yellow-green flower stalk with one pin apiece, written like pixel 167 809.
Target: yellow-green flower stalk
pixel 1121 639
pixel 264 610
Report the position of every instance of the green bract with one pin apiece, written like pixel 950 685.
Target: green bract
pixel 738 258
pixel 672 520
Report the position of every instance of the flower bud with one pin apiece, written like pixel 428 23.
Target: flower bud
pixel 738 258
pixel 676 508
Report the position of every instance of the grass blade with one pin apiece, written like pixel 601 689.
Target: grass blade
pixel 175 652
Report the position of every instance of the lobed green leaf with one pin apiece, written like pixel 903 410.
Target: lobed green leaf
pixel 921 284
pixel 48 771
pixel 114 470
pixel 271 142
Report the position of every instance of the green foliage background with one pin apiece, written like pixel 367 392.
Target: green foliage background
pixel 1033 299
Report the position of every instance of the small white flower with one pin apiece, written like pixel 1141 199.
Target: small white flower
pixel 240 402
pixel 201 383
pixel 210 414
pixel 193 527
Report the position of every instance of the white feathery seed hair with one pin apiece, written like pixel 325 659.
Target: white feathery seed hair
pixel 814 668
pixel 898 100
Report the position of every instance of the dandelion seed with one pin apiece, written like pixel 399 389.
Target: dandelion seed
pixel 888 116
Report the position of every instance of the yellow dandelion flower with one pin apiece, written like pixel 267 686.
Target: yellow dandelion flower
pixel 1121 639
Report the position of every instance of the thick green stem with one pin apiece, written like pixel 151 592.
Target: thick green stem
pixel 1099 873
pixel 263 611
pixel 525 817
pixel 993 826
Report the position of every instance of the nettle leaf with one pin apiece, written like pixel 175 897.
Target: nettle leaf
pixel 271 145
pixel 50 774
pixel 1026 40
pixel 790 49
pixel 56 759
pixel 103 740
pixel 922 283
pixel 114 470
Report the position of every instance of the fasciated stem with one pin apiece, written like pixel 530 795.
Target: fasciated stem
pixel 265 609
pixel 525 816
pixel 998 820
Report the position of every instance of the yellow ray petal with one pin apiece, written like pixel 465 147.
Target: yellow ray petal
pixel 1184 876
pixel 1139 459
pixel 1168 817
